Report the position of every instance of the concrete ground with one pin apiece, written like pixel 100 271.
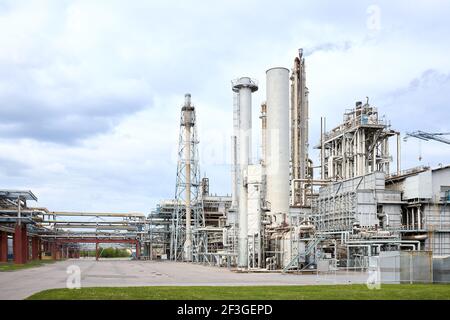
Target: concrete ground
pixel 122 273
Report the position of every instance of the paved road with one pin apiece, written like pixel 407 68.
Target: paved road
pixel 21 284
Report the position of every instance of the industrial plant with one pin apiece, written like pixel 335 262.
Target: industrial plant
pixel 285 213
pixel 289 214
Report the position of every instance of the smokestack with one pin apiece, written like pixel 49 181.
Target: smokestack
pixel 277 148
pixel 188 123
pixel 244 86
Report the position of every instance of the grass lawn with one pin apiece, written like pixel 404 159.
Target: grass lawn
pixel 13 267
pixel 321 292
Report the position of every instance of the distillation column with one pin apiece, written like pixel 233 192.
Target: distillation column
pixel 277 146
pixel 244 86
pixel 299 131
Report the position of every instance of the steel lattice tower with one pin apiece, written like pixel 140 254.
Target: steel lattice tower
pixel 188 214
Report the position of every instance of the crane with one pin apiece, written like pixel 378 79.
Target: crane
pixel 428 136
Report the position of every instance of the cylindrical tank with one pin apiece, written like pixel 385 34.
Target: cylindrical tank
pixel 277 139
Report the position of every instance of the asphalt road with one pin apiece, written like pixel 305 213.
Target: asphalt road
pixel 23 283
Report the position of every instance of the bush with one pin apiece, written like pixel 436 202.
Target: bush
pixel 107 253
pixel 114 253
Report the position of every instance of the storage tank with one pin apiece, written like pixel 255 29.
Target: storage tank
pixel 277 139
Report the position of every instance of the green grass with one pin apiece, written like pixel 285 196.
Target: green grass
pixel 32 264
pixel 321 292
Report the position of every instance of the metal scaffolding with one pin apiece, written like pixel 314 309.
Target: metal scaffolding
pixel 358 146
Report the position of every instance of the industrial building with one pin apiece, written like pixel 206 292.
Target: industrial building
pixel 37 232
pixel 289 214
pixel 285 212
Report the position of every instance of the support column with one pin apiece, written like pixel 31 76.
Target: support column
pixel 34 248
pixel 20 244
pixel 138 250
pixel 53 250
pixel 3 246
pixel 57 252
pixel 407 219
pixel 39 243
pixel 97 255
pixel 419 219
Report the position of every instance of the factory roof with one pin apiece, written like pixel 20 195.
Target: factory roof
pixel 441 167
pixel 14 194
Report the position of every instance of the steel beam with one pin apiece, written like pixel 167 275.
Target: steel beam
pixel 95 240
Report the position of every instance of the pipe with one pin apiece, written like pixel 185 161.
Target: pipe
pixel 322 161
pixel 416 237
pixel 234 178
pixel 263 118
pixel 299 127
pixel 235 151
pixel 386 241
pixel 259 250
pixel 398 154
pixel 306 182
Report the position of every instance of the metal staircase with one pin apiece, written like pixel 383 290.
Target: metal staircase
pixel 312 244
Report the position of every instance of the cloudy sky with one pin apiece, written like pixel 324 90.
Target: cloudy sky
pixel 90 90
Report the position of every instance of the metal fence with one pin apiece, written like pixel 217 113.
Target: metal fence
pixel 403 267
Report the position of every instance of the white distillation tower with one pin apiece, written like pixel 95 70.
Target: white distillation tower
pixel 244 87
